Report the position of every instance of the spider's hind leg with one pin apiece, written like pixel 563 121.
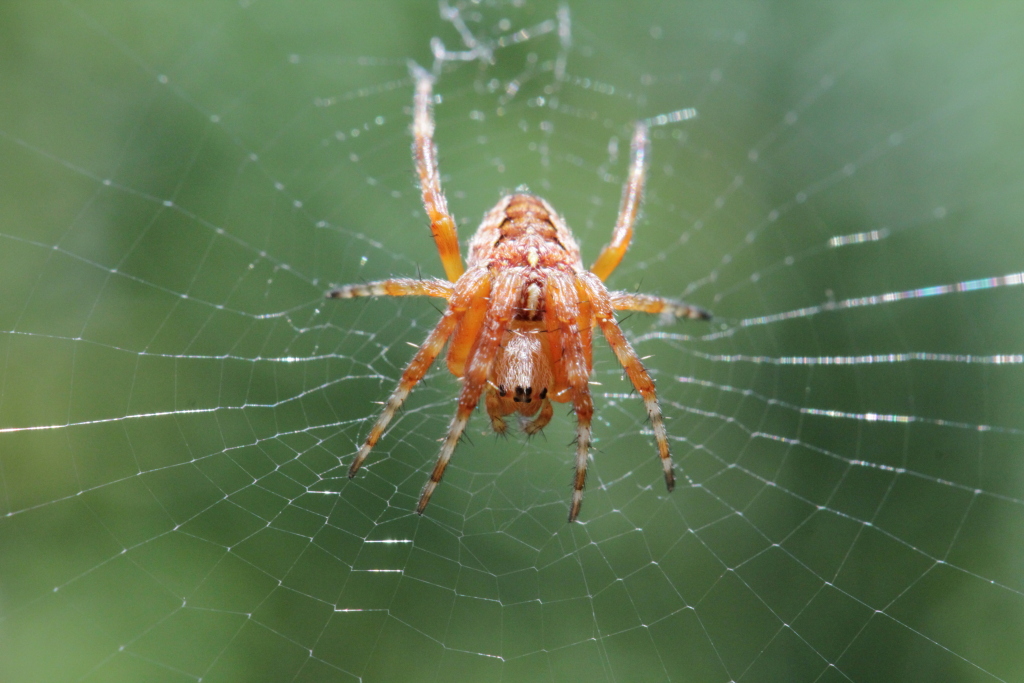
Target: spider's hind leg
pixel 442 224
pixel 629 208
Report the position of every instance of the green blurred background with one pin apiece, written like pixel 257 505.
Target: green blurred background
pixel 181 181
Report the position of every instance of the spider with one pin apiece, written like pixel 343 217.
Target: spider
pixel 520 316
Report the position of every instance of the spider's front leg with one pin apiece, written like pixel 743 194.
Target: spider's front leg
pixel 504 295
pixel 472 286
pixel 633 366
pixel 566 333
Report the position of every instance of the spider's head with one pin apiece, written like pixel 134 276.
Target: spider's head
pixel 521 394
pixel 522 371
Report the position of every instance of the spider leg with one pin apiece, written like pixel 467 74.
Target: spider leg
pixel 504 297
pixel 632 193
pixel 541 421
pixel 394 287
pixel 442 225
pixel 631 363
pixel 647 303
pixel 463 339
pixel 563 303
pixel 459 302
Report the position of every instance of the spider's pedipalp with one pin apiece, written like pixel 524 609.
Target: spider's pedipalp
pixel 473 285
pixel 399 286
pixel 633 366
pixel 629 208
pixel 504 294
pixel 541 421
pixel 497 410
pixel 442 224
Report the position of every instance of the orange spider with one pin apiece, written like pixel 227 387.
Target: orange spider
pixel 521 315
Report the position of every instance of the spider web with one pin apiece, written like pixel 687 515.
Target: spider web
pixel 183 181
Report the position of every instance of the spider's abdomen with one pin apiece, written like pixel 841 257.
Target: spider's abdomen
pixel 523 230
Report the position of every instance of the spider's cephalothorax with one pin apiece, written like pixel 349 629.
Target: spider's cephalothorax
pixel 521 315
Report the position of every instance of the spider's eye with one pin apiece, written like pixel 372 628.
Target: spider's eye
pixel 501 390
pixel 544 393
